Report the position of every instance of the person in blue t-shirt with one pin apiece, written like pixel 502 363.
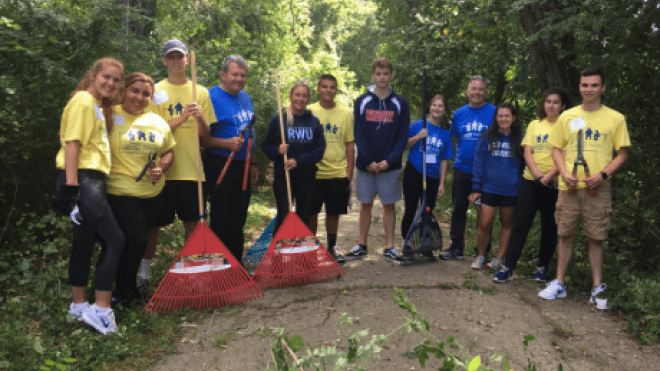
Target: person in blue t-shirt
pixel 468 122
pixel 496 178
pixel 233 111
pixel 438 151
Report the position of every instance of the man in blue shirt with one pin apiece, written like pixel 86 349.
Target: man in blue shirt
pixel 233 111
pixel 467 125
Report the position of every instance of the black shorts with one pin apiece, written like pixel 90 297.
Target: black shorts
pixel 334 193
pixel 494 200
pixel 180 198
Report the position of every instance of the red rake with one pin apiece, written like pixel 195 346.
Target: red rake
pixel 204 274
pixel 294 258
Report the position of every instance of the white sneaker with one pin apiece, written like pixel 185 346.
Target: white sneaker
pixel 553 290
pixel 601 304
pixel 77 310
pixel 479 263
pixel 102 320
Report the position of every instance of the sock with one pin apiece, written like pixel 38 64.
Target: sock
pixel 145 269
pixel 332 241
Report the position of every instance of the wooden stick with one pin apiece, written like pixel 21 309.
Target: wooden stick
pixel 284 344
pixel 199 156
pixel 279 113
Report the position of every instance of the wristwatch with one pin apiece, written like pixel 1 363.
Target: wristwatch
pixel 604 175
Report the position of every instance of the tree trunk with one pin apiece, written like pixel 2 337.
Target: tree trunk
pixel 148 9
pixel 550 70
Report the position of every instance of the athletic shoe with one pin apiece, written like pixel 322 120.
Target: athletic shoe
pixel 339 258
pixel 479 263
pixel 553 290
pixel 407 253
pixel 102 320
pixel 141 284
pixel 495 264
pixel 77 310
pixel 504 275
pixel 392 254
pixel 541 275
pixel 428 256
pixel 451 254
pixel 358 252
pixel 600 303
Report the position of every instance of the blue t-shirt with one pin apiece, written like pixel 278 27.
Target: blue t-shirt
pixel 438 148
pixel 467 125
pixel 233 113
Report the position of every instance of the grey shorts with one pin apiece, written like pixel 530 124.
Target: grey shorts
pixel 387 185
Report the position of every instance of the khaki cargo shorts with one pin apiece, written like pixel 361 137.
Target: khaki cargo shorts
pixel 595 212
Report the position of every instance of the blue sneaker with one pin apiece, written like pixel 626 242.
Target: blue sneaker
pixel 77 310
pixel 541 275
pixel 504 275
pixel 357 252
pixel 553 290
pixel 103 320
pixel 451 254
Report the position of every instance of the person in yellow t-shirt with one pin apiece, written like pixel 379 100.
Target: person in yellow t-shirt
pixel 134 195
pixel 605 131
pixel 173 102
pixel 335 171
pixel 83 163
pixel 538 191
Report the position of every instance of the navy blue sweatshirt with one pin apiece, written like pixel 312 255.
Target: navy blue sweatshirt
pixel 498 171
pixel 305 139
pixel 381 129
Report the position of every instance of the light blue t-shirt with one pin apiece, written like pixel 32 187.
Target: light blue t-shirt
pixel 438 148
pixel 467 125
pixel 233 113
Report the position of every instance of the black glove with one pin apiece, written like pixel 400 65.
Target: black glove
pixel 65 198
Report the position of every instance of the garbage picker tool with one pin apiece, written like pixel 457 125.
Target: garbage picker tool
pixel 580 161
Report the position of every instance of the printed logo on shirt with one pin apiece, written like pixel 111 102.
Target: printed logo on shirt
pixel 243 118
pixel 299 135
pixel 380 116
pixel 594 135
pixel 542 138
pixel 473 130
pixel 175 110
pixel 333 133
pixel 503 149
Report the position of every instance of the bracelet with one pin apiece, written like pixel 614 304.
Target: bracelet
pixel 604 175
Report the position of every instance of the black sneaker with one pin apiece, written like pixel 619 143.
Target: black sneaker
pixel 392 254
pixel 357 252
pixel 451 254
pixel 339 258
pixel 429 256
pixel 407 253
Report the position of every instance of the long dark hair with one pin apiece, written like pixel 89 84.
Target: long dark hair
pixel 563 96
pixel 493 131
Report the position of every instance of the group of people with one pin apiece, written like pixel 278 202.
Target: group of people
pixel 129 152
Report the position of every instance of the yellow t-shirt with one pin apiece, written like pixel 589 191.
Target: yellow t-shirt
pixel 169 101
pixel 132 140
pixel 536 137
pixel 605 131
pixel 83 121
pixel 337 126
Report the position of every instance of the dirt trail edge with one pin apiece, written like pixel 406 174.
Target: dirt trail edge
pixel 567 331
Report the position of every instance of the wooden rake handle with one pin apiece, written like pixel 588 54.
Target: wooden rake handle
pixel 279 114
pixel 199 156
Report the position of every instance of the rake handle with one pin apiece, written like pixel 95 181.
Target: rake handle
pixel 279 114
pixel 193 74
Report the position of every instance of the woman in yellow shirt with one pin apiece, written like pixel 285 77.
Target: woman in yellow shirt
pixel 141 144
pixel 84 162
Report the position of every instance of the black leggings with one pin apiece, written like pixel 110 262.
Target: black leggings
pixel 135 216
pixel 302 190
pixel 229 204
pixel 412 195
pixel 99 224
pixel 533 197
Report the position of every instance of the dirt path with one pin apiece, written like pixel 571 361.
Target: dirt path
pixel 568 331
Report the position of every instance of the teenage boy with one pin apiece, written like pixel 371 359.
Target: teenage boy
pixel 604 131
pixel 382 121
pixel 173 101
pixel 335 171
pixel 467 124
pixel 233 111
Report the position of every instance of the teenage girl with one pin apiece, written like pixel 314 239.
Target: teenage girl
pixel 305 146
pixel 137 136
pixel 537 192
pixel 496 177
pixel 438 151
pixel 84 162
